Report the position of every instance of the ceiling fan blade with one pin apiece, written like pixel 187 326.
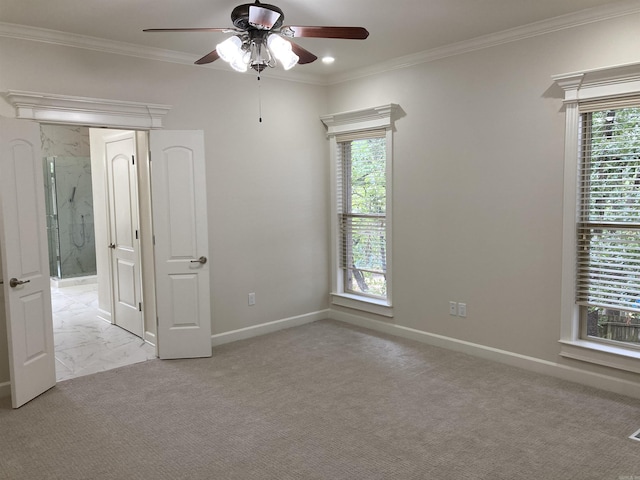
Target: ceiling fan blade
pixel 305 55
pixel 208 58
pixel 349 33
pixel 189 30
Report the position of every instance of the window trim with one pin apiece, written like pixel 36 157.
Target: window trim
pixel 609 85
pixel 375 118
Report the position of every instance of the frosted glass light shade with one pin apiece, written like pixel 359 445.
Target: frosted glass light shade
pixel 230 49
pixel 282 50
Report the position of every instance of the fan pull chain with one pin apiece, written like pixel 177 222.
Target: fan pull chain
pixel 259 99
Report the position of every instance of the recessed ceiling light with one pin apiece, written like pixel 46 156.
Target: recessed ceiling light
pixel 328 60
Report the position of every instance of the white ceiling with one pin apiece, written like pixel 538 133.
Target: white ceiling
pixel 397 27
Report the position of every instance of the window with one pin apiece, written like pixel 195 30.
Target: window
pixel 608 227
pixel 600 312
pixel 362 204
pixel 361 157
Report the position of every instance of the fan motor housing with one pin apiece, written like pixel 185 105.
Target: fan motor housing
pixel 240 15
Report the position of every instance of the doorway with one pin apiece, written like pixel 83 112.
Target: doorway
pixel 93 331
pixel 175 245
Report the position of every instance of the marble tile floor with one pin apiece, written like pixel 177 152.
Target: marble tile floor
pixel 85 344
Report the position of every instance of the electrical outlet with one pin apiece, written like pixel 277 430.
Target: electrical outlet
pixel 252 299
pixel 453 308
pixel 462 310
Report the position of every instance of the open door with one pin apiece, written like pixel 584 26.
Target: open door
pixel 178 190
pixel 25 276
pixel 124 232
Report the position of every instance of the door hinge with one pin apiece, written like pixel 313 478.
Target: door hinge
pixel 154 239
pixel 133 160
pixel 139 306
pixel 149 155
pixel 136 234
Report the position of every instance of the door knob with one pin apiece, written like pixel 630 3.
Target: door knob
pixel 14 282
pixel 201 260
pixel 112 245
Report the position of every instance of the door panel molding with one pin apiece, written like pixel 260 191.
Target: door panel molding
pixel 122 192
pixel 23 247
pixel 180 226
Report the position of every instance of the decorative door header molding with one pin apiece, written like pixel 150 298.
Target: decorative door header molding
pixel 97 112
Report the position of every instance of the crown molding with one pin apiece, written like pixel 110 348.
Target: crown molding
pixel 55 37
pixel 563 22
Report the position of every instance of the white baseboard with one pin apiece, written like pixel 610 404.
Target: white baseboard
pixel 104 315
pixel 5 389
pixel 74 281
pixel 264 328
pixel 150 338
pixel 533 364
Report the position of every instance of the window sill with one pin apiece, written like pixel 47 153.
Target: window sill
pixel 601 354
pixel 366 304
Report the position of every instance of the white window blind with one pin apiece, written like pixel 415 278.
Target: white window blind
pixel 608 228
pixel 361 162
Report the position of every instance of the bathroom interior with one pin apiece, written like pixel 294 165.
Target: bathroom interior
pixel 84 343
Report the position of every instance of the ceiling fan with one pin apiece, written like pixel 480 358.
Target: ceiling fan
pixel 259 40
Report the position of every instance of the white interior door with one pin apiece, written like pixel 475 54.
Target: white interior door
pixel 178 190
pixel 124 233
pixel 25 275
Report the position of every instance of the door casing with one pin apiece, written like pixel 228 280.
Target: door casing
pixel 92 112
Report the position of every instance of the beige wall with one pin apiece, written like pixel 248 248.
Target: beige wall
pixel 478 184
pixel 267 182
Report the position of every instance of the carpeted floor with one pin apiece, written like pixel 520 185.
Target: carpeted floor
pixel 321 401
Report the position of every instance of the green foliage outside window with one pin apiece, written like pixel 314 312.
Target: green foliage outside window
pixel 609 226
pixel 364 216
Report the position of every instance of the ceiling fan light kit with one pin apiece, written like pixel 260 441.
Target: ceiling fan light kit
pixel 241 53
pixel 258 39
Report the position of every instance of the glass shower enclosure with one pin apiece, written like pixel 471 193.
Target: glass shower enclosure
pixel 69 205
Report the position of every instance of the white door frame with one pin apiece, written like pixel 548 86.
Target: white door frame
pixel 97 113
pixel 131 116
